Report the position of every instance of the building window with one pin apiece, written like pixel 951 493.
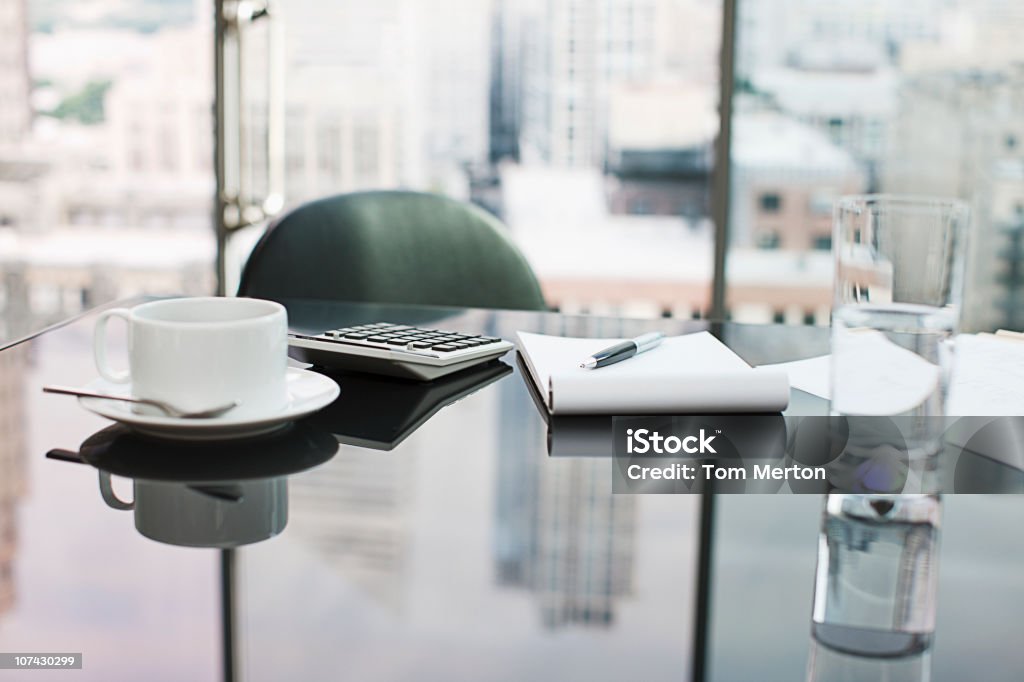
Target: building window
pixel 821 203
pixel 823 243
pixel 640 206
pixel 366 152
pixel 768 240
pixel 770 202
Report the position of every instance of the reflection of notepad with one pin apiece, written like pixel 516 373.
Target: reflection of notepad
pixel 691 373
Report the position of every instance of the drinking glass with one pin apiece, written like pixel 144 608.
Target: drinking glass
pixel 899 274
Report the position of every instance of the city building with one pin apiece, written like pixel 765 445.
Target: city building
pixel 660 149
pixel 785 177
pixel 958 134
pixel 119 205
pixel 15 109
pixel 852 104
pixel 826 33
pixel 590 260
pixel 578 51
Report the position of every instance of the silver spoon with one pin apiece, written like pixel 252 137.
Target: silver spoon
pixel 167 409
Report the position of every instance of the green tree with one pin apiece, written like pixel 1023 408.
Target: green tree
pixel 85 106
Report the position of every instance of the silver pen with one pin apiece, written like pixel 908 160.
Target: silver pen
pixel 622 351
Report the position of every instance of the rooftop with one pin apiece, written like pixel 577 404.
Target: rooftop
pixel 831 93
pixel 767 140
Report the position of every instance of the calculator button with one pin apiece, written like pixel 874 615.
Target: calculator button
pixel 377 339
pixel 357 335
pixel 445 347
pixel 421 344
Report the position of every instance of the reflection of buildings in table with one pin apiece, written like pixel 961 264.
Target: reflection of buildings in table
pixel 355 511
pixel 12 466
pixel 559 532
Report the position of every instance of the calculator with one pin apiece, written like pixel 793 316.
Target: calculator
pixel 396 350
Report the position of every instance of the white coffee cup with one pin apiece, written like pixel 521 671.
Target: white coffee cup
pixel 198 353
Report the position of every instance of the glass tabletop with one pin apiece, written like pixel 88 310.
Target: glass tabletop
pixel 426 532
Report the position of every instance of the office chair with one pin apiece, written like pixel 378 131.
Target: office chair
pixel 391 247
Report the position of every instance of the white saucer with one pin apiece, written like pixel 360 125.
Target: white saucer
pixel 307 393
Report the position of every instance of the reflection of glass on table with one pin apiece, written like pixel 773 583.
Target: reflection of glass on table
pixel 875 586
pixel 829 665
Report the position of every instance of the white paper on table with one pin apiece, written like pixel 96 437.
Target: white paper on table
pixel 879 377
pixel 811 375
pixel 988 376
pixel 694 372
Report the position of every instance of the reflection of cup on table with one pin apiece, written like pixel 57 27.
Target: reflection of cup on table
pixel 898 291
pixel 195 353
pixel 226 514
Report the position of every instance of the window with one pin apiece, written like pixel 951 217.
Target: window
pixel 848 97
pixel 770 203
pixel 768 240
pixel 823 243
pixel 550 115
pixel 821 203
pixel 640 206
pixel 366 149
pixel 126 177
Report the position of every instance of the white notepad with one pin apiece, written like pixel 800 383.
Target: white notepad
pixel 684 374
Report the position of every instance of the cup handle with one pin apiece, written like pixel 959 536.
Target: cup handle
pixel 99 345
pixel 109 496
